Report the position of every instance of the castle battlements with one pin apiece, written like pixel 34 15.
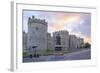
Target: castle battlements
pixel 35 20
pixel 61 31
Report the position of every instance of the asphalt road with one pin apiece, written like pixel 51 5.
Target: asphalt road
pixel 84 54
pixel 80 55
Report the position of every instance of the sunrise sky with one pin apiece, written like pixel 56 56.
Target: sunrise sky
pixel 75 23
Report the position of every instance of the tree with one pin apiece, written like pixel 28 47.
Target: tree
pixel 87 45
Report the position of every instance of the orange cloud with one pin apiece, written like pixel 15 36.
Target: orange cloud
pixel 65 20
pixel 87 40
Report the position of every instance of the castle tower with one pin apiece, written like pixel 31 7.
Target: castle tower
pixel 73 42
pixel 50 43
pixel 37 35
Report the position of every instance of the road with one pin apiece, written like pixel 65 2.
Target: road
pixel 80 55
pixel 84 54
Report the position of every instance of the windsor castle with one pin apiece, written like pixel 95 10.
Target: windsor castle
pixel 39 40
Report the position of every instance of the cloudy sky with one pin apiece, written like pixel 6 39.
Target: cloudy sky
pixel 76 23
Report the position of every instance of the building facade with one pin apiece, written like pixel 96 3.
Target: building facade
pixel 24 40
pixel 64 39
pixel 75 42
pixel 50 44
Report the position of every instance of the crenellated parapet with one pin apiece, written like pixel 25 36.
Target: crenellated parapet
pixel 35 20
pixel 61 31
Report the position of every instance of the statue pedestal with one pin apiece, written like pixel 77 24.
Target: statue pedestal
pixel 58 50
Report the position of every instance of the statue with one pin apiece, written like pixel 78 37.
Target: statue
pixel 58 40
